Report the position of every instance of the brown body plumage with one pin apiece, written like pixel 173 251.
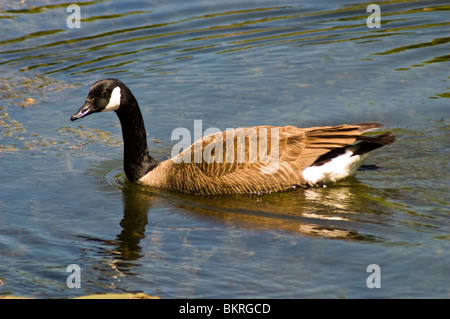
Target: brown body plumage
pixel 257 160
pixel 299 148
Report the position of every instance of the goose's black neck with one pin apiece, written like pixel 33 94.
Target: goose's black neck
pixel 137 161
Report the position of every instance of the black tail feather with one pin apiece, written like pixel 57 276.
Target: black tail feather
pixel 370 143
pixel 367 144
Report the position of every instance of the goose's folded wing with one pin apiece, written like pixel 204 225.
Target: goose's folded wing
pixel 263 158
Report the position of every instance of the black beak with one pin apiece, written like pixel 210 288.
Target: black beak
pixel 86 109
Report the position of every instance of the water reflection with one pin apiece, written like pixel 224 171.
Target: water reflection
pixel 334 213
pixel 136 206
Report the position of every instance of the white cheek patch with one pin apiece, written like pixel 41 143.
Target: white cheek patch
pixel 114 101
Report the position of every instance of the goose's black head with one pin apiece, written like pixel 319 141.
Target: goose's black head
pixel 104 95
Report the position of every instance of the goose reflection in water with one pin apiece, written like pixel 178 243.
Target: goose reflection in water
pixel 332 212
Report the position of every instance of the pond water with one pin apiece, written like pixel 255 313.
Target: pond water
pixel 64 198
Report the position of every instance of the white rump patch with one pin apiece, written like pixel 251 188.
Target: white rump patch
pixel 114 101
pixel 338 168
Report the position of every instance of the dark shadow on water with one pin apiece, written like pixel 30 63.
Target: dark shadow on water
pixel 135 218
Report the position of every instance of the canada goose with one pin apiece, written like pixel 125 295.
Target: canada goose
pixel 300 157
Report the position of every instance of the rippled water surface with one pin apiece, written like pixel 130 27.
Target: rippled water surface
pixel 65 200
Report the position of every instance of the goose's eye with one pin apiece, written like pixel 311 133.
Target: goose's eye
pixel 104 94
